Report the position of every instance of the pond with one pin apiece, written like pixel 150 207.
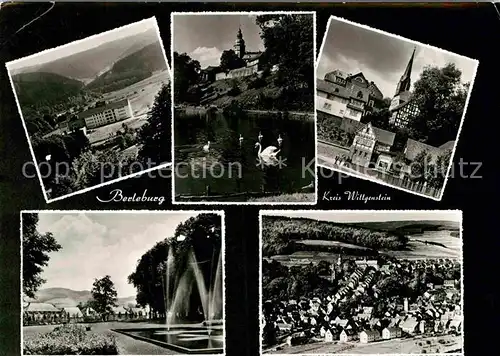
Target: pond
pixel 189 339
pixel 232 169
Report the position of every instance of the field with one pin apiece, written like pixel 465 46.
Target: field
pixel 417 249
pixel 141 96
pixel 330 243
pixel 395 346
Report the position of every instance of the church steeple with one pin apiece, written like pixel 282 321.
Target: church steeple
pixel 405 81
pixel 239 44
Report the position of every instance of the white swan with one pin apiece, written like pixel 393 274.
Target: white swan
pixel 206 148
pixel 48 157
pixel 260 136
pixel 269 151
pixel 280 140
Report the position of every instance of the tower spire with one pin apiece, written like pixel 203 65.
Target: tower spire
pixel 405 81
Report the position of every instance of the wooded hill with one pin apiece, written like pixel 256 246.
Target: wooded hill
pixel 280 234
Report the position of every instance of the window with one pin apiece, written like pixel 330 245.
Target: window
pixel 370 103
pixel 327 106
pixel 341 112
pixel 366 154
pixel 336 90
pixel 360 94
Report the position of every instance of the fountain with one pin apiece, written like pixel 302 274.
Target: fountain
pixel 206 337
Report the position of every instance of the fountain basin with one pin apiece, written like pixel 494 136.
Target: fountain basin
pixel 196 339
pixel 213 323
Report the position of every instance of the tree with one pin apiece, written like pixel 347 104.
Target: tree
pixel 441 97
pixel 200 237
pixel 155 133
pixel 186 74
pixel 229 60
pixel 288 42
pixel 104 296
pixel 36 249
pixel 378 118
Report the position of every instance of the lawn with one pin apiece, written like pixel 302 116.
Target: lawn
pixel 330 243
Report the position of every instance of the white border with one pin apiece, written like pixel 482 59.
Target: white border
pixel 161 166
pixel 366 177
pixel 330 213
pixel 247 13
pixel 221 213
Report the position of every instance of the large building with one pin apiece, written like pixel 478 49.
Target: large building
pixel 107 114
pixel 347 96
pixel 402 107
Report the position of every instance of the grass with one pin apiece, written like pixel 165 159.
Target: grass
pixel 286 198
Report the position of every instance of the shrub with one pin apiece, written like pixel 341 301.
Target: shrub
pixel 70 340
pixel 257 83
pixel 234 91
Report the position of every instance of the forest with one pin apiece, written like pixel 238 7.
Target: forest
pixel 281 234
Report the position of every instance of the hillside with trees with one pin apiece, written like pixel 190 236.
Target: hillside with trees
pixel 44 89
pixel 288 47
pixel 131 69
pixel 282 235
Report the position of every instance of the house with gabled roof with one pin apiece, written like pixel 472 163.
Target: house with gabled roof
pixel 367 336
pixel 391 333
pixel 368 142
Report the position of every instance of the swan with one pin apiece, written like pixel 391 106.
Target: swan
pixel 206 148
pixel 309 186
pixel 260 136
pixel 269 151
pixel 48 157
pixel 280 140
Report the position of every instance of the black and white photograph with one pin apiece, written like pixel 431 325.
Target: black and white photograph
pixel 390 109
pixel 96 110
pixel 367 282
pixel 244 107
pixel 122 282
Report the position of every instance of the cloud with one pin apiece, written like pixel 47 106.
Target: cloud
pixel 382 57
pixel 95 245
pixel 207 56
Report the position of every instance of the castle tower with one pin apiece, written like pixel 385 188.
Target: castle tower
pixel 405 81
pixel 239 44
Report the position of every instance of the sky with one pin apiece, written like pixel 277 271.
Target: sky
pixel 83 45
pixel 99 244
pixel 372 216
pixel 381 57
pixel 205 37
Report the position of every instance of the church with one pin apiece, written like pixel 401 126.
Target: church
pixel 402 107
pixel 251 60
